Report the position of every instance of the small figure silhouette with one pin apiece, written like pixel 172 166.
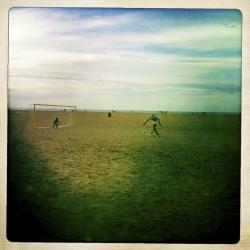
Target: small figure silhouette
pixel 155 120
pixel 56 123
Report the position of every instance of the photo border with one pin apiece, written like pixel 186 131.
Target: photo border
pixel 241 5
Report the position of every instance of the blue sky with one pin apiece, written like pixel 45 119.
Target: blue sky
pixel 132 59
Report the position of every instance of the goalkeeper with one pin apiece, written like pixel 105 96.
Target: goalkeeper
pixel 56 123
pixel 155 120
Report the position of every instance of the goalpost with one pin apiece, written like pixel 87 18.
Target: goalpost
pixel 43 115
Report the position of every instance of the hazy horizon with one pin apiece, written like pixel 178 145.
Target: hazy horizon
pixel 126 111
pixel 126 59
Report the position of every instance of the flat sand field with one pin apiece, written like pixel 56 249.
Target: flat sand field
pixel 109 180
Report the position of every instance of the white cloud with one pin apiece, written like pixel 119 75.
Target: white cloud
pixel 52 54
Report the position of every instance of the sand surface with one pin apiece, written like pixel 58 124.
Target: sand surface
pixel 110 180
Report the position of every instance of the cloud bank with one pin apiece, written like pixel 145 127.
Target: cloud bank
pixel 133 59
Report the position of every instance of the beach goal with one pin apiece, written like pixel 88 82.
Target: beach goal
pixel 43 115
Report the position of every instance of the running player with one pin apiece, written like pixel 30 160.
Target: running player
pixel 155 120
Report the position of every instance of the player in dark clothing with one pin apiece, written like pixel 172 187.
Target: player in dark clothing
pixel 56 123
pixel 155 120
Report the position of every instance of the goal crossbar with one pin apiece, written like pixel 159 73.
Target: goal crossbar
pixel 53 105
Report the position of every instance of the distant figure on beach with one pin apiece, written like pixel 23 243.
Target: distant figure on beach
pixel 155 120
pixel 56 123
pixel 109 114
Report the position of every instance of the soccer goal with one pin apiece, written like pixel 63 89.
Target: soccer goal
pixel 43 115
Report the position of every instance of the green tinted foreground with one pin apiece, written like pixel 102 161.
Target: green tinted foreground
pixel 109 180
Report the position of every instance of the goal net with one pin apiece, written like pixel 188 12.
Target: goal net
pixel 44 115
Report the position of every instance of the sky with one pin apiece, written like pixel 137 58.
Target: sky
pixel 126 59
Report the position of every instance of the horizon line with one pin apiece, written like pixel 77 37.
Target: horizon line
pixel 132 111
